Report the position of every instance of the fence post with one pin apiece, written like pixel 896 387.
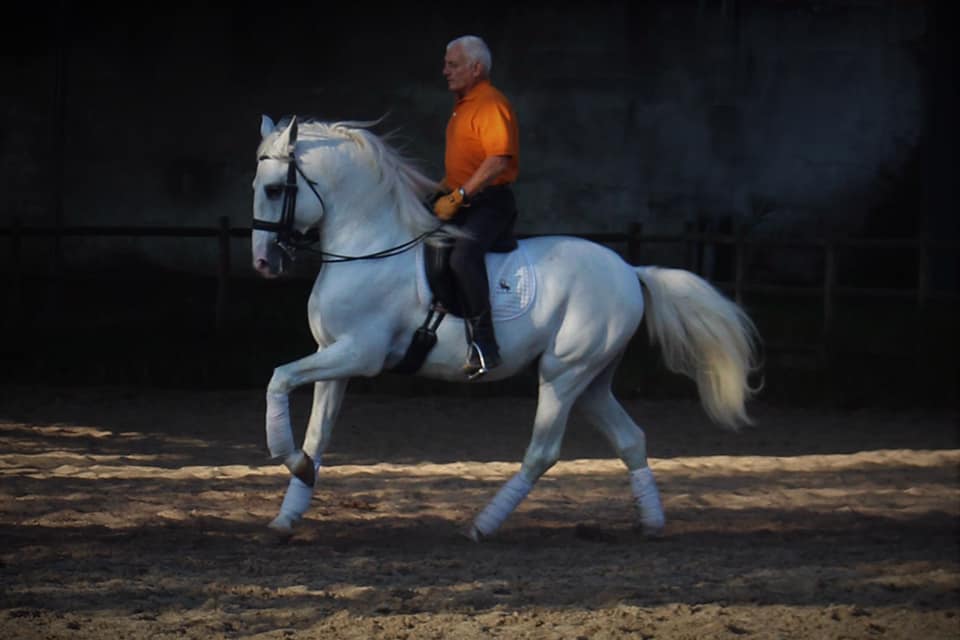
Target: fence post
pixel 739 264
pixel 634 240
pixel 923 273
pixel 707 248
pixel 223 273
pixel 829 284
pixel 693 247
pixel 827 330
pixel 923 344
pixel 16 274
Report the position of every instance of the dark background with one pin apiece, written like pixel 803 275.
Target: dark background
pixel 790 119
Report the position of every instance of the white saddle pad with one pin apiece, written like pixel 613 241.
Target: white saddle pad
pixel 513 283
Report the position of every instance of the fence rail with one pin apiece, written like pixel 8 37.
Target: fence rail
pixel 828 290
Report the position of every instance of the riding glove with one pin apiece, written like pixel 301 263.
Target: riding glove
pixel 446 206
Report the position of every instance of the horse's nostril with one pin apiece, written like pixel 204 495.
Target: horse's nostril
pixel 262 266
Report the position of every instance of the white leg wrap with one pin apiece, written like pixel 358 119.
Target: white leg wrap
pixel 279 433
pixel 294 505
pixel 648 501
pixel 502 505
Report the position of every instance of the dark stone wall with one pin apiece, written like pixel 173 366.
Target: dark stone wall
pixel 785 116
pixel 790 117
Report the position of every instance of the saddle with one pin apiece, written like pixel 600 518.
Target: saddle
pixel 436 264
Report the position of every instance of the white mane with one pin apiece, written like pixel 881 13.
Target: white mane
pixel 398 178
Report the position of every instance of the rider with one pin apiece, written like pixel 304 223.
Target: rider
pixel 481 162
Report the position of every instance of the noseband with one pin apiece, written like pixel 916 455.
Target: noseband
pixel 290 240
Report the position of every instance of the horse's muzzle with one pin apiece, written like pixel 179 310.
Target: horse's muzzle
pixel 268 258
pixel 265 269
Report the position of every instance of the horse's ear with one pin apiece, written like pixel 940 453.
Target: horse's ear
pixel 266 126
pixel 288 139
pixel 293 131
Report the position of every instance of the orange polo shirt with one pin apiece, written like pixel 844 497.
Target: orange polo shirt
pixel 482 124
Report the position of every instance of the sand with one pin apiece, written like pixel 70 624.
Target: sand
pixel 141 513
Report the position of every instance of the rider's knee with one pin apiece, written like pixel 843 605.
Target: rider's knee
pixel 465 257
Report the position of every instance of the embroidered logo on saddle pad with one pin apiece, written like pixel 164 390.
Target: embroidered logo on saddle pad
pixel 513 283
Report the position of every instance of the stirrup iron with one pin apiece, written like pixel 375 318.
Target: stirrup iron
pixel 470 368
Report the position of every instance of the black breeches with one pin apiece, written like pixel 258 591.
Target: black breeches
pixel 489 220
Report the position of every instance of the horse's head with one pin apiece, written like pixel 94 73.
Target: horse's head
pixel 282 222
pixel 338 180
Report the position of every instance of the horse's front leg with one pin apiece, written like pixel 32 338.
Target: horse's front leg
pixel 333 366
pixel 305 465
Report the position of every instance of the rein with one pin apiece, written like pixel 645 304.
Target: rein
pixel 376 255
pixel 290 240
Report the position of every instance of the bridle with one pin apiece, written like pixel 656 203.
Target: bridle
pixel 290 240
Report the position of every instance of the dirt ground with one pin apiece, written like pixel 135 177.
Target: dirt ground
pixel 133 513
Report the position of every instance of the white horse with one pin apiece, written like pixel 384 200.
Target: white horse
pixel 363 203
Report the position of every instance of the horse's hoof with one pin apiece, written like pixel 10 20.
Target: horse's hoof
pixel 274 535
pixel 281 522
pixel 471 533
pixel 281 526
pixel 650 530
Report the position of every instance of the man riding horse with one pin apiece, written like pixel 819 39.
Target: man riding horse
pixel 481 161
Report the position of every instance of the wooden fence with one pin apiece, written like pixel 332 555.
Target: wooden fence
pixel 826 292
pixel 630 244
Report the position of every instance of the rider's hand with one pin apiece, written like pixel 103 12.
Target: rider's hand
pixel 446 206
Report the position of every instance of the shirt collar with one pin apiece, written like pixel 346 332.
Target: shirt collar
pixel 475 90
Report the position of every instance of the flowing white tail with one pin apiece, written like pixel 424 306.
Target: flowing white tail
pixel 703 335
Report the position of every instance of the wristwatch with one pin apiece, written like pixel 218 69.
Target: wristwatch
pixel 463 194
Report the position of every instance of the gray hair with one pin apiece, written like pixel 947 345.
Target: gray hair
pixel 476 50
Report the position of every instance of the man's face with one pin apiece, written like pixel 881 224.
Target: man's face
pixel 461 75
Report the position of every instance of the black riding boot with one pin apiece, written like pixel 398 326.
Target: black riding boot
pixel 483 354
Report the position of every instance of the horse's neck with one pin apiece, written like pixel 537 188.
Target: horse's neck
pixel 373 278
pixel 364 227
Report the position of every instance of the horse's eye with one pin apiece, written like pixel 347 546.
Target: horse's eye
pixel 273 191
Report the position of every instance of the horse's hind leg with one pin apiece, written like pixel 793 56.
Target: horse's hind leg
pixel 327 399
pixel 556 396
pixel 601 408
